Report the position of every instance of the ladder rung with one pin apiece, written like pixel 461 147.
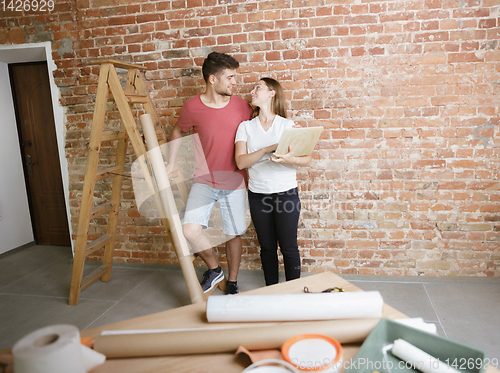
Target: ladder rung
pixel 136 98
pixel 96 274
pixel 113 135
pixel 107 172
pixel 97 244
pixel 175 173
pixel 119 64
pixel 101 209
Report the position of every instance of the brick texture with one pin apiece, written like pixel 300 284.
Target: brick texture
pixel 405 178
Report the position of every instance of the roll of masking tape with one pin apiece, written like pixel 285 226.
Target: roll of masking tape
pixel 54 349
pixel 313 353
pixel 271 366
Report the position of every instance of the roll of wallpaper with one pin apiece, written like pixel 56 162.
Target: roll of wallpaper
pixel 54 349
pixel 217 340
pixel 294 307
pixel 419 359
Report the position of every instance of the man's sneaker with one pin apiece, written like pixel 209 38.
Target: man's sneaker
pixel 210 279
pixel 232 288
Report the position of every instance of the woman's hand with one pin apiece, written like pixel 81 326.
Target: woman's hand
pixel 270 148
pixel 289 158
pixel 246 160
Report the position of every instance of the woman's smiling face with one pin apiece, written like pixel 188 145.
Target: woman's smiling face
pixel 261 94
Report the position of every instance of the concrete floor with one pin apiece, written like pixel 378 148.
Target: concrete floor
pixel 34 290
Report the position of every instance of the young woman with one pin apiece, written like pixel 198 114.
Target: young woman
pixel 272 195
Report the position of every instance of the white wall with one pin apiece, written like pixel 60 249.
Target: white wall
pixel 15 223
pixel 14 54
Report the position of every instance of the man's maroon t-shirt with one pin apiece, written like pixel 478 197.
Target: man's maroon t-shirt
pixel 216 129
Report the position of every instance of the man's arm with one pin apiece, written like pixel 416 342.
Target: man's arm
pixel 173 147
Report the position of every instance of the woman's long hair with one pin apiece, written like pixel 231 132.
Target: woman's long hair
pixel 278 103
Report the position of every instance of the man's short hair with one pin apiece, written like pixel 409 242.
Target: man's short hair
pixel 216 62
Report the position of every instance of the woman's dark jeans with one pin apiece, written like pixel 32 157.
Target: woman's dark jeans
pixel 276 217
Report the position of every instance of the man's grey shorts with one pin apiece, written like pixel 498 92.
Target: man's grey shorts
pixel 232 204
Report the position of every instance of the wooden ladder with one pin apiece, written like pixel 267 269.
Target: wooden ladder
pixel 135 92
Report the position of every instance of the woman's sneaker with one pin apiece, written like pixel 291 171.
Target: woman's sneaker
pixel 211 278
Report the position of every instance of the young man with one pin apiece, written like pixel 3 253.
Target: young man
pixel 214 116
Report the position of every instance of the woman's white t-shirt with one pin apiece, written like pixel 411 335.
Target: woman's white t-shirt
pixel 266 176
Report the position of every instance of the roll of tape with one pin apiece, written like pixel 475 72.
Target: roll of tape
pixel 271 366
pixel 54 349
pixel 313 353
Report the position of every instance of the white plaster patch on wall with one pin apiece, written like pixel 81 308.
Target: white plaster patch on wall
pixel 477 135
pixel 66 47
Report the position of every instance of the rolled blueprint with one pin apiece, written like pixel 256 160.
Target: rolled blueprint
pixel 217 340
pixel 294 307
pixel 419 359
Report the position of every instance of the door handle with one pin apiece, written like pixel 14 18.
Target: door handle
pixel 29 164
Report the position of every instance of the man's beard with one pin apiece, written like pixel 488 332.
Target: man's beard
pixel 224 93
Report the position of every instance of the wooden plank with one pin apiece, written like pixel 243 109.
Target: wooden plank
pixel 119 64
pixel 140 86
pixel 130 82
pixel 302 140
pixel 134 98
pixel 107 172
pixel 126 113
pixel 97 244
pixel 102 209
pixel 95 275
pixel 113 135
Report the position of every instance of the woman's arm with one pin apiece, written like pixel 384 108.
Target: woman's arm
pixel 289 158
pixel 245 160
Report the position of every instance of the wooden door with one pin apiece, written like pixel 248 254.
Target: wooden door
pixel 37 135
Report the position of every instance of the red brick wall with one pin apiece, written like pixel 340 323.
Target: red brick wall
pixel 405 179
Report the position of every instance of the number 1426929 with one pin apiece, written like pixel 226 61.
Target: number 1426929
pixel 27 5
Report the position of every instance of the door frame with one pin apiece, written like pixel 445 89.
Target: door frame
pixel 43 52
